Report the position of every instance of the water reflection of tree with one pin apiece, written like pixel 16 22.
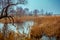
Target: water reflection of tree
pixel 18 26
pixel 5 29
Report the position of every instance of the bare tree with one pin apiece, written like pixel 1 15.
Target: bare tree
pixel 4 14
pixel 5 9
pixel 35 12
pixel 49 13
pixel 42 11
pixel 19 11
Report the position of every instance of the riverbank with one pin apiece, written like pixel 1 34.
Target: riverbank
pixel 29 18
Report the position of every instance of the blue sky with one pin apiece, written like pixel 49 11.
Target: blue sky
pixel 47 5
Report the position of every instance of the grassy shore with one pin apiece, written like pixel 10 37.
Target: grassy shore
pixel 29 18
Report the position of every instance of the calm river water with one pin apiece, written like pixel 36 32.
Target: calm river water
pixel 25 26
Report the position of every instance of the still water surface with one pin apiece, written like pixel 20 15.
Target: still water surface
pixel 25 26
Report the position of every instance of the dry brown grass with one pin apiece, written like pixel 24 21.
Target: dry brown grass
pixel 49 25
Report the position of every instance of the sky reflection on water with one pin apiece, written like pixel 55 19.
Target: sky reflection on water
pixel 23 27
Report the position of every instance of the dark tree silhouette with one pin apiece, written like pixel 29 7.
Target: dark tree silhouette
pixel 19 11
pixel 5 10
pixel 49 13
pixel 26 11
pixel 36 11
pixel 4 13
pixel 22 1
pixel 42 11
